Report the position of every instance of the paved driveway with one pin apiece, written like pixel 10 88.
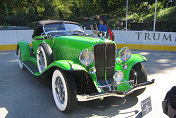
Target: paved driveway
pixel 24 96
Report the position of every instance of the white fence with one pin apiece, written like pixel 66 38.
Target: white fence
pixel 143 37
pixel 9 37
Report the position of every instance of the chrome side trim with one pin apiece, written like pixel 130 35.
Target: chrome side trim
pixel 28 68
pixel 114 93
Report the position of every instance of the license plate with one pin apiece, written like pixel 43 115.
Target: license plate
pixel 146 106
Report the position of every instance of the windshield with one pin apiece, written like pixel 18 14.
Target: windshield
pixel 62 27
pixel 54 27
pixel 73 27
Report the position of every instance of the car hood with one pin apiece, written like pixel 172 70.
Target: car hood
pixel 70 47
pixel 83 39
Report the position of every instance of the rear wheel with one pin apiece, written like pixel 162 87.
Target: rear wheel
pixel 64 90
pixel 20 62
pixel 139 75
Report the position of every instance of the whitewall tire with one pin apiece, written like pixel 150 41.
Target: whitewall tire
pixel 44 56
pixel 20 62
pixel 41 59
pixel 63 89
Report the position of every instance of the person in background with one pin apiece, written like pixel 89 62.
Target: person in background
pixel 103 29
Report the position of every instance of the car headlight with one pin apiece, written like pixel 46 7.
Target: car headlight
pixel 125 54
pixel 118 76
pixel 86 57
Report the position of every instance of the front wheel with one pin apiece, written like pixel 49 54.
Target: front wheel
pixel 64 90
pixel 139 75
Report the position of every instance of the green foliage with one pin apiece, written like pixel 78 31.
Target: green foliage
pixel 168 18
pixel 134 17
pixel 159 6
pixel 144 9
pixel 165 19
pixel 24 12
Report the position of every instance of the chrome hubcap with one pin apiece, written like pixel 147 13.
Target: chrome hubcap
pixel 60 91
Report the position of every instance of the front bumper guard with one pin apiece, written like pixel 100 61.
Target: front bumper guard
pixel 114 93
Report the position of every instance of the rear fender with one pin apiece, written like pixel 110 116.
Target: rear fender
pixel 24 49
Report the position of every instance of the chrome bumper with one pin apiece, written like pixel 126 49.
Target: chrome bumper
pixel 114 93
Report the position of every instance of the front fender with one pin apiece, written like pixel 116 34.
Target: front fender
pixel 135 58
pixel 24 49
pixel 66 65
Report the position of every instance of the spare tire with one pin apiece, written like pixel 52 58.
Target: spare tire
pixel 44 56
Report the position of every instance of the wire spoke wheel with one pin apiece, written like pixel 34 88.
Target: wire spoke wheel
pixel 63 88
pixel 42 64
pixel 60 92
pixel 44 56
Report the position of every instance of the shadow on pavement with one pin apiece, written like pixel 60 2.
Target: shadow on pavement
pixel 157 60
pixel 108 107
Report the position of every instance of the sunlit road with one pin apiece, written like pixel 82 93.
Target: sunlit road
pixel 24 96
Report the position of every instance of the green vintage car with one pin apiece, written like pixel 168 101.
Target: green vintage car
pixel 81 67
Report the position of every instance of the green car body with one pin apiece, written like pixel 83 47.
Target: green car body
pixel 66 50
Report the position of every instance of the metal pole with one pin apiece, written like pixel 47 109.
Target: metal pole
pixel 126 15
pixel 155 16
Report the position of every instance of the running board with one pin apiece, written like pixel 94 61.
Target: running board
pixel 30 66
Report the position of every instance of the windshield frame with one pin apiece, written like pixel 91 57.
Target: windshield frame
pixel 64 31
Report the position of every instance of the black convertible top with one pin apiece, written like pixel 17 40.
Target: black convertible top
pixel 42 23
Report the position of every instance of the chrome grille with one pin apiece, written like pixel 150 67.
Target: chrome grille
pixel 104 62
